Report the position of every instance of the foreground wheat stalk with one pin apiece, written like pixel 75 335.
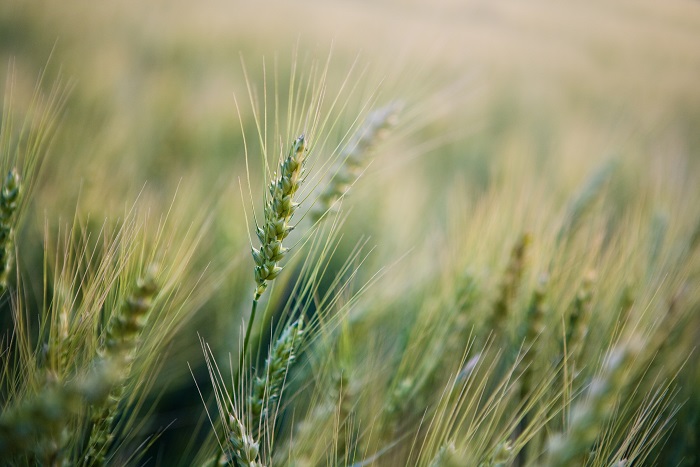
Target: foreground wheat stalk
pixel 275 227
pixel 245 436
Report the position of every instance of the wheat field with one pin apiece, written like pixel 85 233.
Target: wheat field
pixel 350 233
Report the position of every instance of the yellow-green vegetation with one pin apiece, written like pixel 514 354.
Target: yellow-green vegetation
pixel 474 226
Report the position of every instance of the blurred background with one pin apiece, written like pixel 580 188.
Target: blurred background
pixel 159 104
pixel 153 85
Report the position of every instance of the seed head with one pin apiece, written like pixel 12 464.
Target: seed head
pixel 279 208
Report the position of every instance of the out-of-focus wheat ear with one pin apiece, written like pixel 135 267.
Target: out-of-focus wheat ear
pixel 124 329
pixel 533 327
pixel 579 319
pixel 467 294
pixel 28 427
pixel 658 232
pixel 267 388
pixel 584 201
pixel 510 284
pixel 344 397
pixel 595 409
pixel 330 413
pixel 625 304
pixel 122 338
pixel 9 201
pixel 398 399
pixel 36 423
pixel 353 158
pixel 278 211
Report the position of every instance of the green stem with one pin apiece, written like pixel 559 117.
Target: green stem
pixel 246 339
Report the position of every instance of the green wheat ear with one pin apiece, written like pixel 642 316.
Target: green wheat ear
pixel 9 200
pixel 279 209
pixel 267 387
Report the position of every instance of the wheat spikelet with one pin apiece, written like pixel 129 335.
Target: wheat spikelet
pixel 23 429
pixel 532 327
pixel 243 449
pixel 399 398
pixel 344 395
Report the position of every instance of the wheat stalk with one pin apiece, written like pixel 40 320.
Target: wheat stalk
pixel 278 211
